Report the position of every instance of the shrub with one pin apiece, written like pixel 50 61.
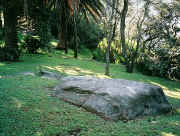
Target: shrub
pixel 32 43
pixel 89 34
pixel 99 55
pixel 163 63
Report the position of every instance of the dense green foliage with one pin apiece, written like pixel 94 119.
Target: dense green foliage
pixel 31 44
pixel 161 54
pixel 90 34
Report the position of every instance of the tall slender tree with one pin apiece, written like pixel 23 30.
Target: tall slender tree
pixel 122 29
pixel 75 7
pixel 110 36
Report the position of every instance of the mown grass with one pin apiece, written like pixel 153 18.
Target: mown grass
pixel 28 109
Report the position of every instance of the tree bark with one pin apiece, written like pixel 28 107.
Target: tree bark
pixel 75 36
pixel 75 17
pixel 122 30
pixel 62 45
pixel 10 23
pixel 62 41
pixel 1 23
pixel 110 36
pixel 26 8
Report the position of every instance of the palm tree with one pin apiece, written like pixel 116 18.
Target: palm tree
pixel 69 10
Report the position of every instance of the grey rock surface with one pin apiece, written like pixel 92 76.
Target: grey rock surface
pixel 113 98
pixel 28 74
pixel 49 75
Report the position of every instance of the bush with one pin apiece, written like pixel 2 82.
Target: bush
pixel 38 39
pixel 89 34
pixel 32 43
pixel 163 65
pixel 99 55
pixel 85 52
pixel 115 53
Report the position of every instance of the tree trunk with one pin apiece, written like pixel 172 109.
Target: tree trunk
pixel 122 30
pixel 10 23
pixel 26 13
pixel 76 50
pixel 62 45
pixel 76 44
pixel 75 34
pixel 1 27
pixel 110 36
pixel 132 59
pixel 26 8
pixel 62 40
pixel 107 71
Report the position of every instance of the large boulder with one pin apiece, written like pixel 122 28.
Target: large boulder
pixel 113 98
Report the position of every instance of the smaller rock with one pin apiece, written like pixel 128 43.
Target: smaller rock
pixel 49 75
pixel 28 74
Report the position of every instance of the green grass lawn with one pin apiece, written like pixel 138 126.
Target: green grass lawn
pixel 28 109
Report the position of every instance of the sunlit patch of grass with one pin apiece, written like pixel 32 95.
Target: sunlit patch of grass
pixel 101 76
pixel 167 134
pixel 2 64
pixel 75 71
pixel 178 111
pixel 39 134
pixel 177 89
pixel 163 87
pixel 174 94
pixel 71 72
pixel 2 43
pixel 54 43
